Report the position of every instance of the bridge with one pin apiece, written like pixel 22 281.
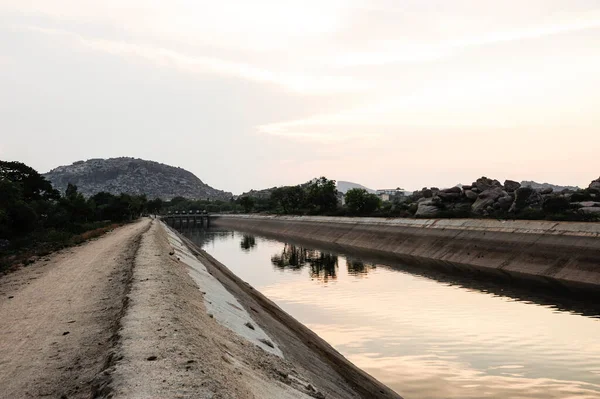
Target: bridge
pixel 187 219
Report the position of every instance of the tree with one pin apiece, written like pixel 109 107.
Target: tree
pixel 290 199
pixel 359 201
pixel 247 203
pixel 33 185
pixel 322 195
pixel 155 205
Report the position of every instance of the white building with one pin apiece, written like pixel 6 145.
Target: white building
pixel 389 194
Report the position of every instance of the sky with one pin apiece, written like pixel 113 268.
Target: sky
pixel 253 94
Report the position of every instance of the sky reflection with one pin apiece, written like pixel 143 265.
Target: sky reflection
pixel 423 338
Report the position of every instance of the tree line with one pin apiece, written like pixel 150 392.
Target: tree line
pixel 316 197
pixel 35 214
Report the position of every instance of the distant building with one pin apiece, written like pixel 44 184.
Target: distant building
pixel 391 194
pixel 341 198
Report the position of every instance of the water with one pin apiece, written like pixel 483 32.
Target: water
pixel 425 335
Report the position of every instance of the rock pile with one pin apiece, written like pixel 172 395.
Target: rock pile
pixel 490 197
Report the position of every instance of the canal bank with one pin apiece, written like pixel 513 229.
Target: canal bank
pixel 545 252
pixel 194 329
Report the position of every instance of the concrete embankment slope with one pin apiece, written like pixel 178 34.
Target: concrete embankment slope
pixel 194 330
pixel 567 253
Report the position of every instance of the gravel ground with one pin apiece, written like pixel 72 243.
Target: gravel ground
pixel 60 314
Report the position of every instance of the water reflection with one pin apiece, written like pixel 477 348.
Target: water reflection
pixel 358 268
pixel 427 333
pixel 248 242
pixel 322 265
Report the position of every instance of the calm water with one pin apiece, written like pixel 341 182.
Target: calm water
pixel 424 336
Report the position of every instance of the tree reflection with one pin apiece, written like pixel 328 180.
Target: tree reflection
pixel 248 242
pixel 358 268
pixel 322 265
pixel 291 257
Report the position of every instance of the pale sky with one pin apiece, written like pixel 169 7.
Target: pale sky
pixel 252 94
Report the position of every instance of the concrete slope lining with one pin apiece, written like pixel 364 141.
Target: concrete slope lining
pixel 219 302
pixel 548 252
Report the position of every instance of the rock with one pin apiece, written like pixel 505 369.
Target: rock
pixel 470 194
pixel 483 184
pixel 452 190
pixel 511 185
pixel 151 358
pixel 546 190
pixel 466 188
pixel 590 210
pixel 505 202
pixel 595 185
pixel 427 208
pixel 427 193
pixel 449 196
pixel 487 199
pixel 588 204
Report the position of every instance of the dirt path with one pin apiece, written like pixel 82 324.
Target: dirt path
pixel 58 317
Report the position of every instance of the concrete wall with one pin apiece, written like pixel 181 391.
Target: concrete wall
pixel 550 252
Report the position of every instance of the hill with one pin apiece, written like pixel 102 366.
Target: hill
pixel 132 176
pixel 344 186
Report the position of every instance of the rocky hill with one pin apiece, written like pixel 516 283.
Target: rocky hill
pixel 132 176
pixel 345 186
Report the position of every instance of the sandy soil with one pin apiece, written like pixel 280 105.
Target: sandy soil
pixel 60 314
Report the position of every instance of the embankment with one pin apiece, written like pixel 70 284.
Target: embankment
pixel 563 253
pixel 192 329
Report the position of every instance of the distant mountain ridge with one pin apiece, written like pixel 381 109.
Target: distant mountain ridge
pixel 132 176
pixel 539 186
pixel 345 186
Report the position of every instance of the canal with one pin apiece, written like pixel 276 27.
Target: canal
pixel 422 333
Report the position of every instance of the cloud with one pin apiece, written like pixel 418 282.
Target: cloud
pixel 391 51
pixel 197 64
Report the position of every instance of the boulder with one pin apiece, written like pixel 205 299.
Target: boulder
pixel 449 196
pixel 452 190
pixel 470 194
pixel 426 209
pixel 511 185
pixel 466 188
pixel 595 185
pixel 588 204
pixel 487 198
pixel 483 184
pixel 505 202
pixel 546 190
pixel 591 210
pixel 427 193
